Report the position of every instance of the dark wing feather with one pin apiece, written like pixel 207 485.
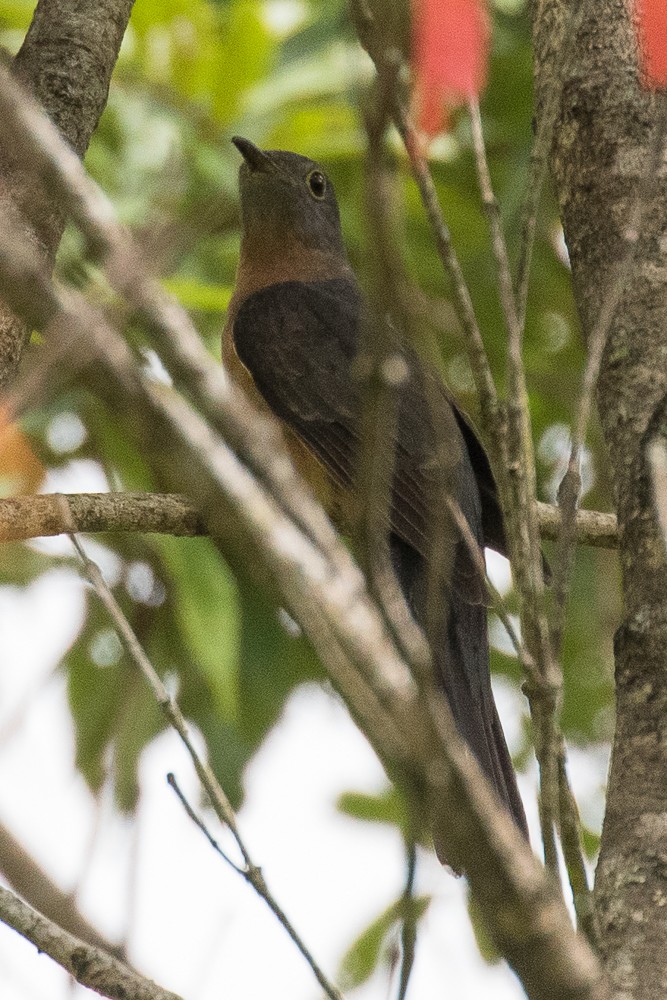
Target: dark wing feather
pixel 298 341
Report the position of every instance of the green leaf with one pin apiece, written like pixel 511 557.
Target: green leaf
pixel 388 807
pixel 95 692
pixel 207 613
pixel 273 661
pixel 364 955
pixel 194 294
pixel 139 721
pixel 20 564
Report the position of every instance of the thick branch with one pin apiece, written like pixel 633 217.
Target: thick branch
pixel 89 965
pixel 170 514
pixel 40 516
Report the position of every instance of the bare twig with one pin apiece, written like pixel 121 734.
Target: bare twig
pixel 87 963
pixel 573 852
pixel 409 923
pixel 42 515
pixel 593 527
pixel 199 823
pixel 492 210
pixel 223 810
pixel 521 517
pixel 539 156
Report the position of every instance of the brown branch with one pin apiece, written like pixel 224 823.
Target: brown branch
pixel 88 964
pixel 593 527
pixel 41 515
pixel 66 61
pixel 519 488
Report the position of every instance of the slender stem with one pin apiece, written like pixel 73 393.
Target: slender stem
pixel 539 157
pixel 223 810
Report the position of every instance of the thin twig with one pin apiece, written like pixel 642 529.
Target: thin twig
pixel 521 513
pixel 199 823
pixel 539 157
pixel 573 852
pixel 492 210
pixel 223 810
pixel 409 923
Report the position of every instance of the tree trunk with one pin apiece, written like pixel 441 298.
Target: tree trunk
pixel 66 60
pixel 602 145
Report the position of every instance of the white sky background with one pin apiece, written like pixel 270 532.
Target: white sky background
pixel 193 924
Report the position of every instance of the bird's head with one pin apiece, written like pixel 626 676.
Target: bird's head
pixel 286 197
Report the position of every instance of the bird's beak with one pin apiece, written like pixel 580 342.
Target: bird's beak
pixel 255 157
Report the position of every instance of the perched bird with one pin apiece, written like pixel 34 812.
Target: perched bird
pixel 291 336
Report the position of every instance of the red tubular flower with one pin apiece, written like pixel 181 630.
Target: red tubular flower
pixel 450 56
pixel 651 28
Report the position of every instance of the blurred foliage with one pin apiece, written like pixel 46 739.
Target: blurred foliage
pixel 289 74
pixel 375 945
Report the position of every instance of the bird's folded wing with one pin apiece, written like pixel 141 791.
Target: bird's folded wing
pixel 298 340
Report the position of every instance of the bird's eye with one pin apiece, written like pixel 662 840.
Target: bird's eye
pixel 317 183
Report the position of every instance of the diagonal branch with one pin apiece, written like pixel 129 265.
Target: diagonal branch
pixel 87 963
pixel 27 878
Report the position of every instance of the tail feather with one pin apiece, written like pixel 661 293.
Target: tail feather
pixel 461 658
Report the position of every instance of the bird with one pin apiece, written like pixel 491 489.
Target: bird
pixel 290 339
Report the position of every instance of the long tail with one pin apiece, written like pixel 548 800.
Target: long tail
pixel 461 658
